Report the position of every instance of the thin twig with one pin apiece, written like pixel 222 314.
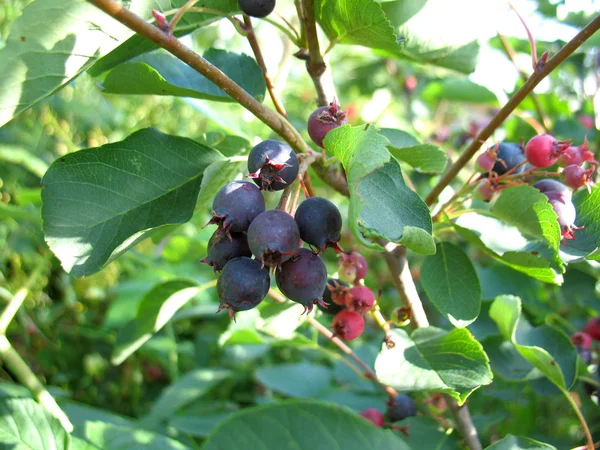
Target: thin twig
pixel 515 100
pixel 315 65
pixel 586 429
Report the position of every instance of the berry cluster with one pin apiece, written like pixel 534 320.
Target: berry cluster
pixel 398 408
pixel 508 164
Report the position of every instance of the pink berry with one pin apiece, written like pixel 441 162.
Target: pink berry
pixel 374 415
pixel 325 119
pixel 353 267
pixel 581 339
pixel 543 150
pixel 487 160
pixel 572 155
pixel 587 121
pixel 592 328
pixel 485 191
pixel 576 176
pixel 361 299
pixel 348 325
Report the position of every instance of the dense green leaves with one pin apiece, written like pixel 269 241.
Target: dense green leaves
pixel 519 443
pixel 156 308
pixel 381 205
pixel 301 424
pixel 426 158
pixel 587 238
pixel 24 424
pixel 546 348
pixel 434 360
pixel 357 22
pixel 100 201
pixel 451 283
pixel 49 45
pixel 160 73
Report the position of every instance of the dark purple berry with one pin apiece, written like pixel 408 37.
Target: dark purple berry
pixel 549 185
pixel 303 278
pixel 273 165
pixel 401 407
pixel 319 222
pixel 273 237
pixel 509 155
pixel 257 8
pixel 323 120
pixel 221 249
pixel 235 206
pixel 334 296
pixel 243 284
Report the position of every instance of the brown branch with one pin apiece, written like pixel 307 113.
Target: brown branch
pixel 464 423
pixel 515 100
pixel 261 63
pixel 315 65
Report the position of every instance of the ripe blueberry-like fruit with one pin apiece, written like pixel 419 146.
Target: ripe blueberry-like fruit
pixel 549 186
pixel 319 222
pixel 303 278
pixel 361 299
pixel 576 176
pixel 273 165
pixel 592 328
pixel 334 296
pixel 325 119
pixel 353 267
pixel 401 407
pixel 543 150
pixel 348 325
pixel 236 205
pixel 243 284
pixel 273 237
pixel 374 415
pixel 257 8
pixel 509 156
pixel 221 249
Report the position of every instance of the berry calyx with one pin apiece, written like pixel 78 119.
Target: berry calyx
pixel 235 206
pixel 581 339
pixel 273 165
pixel 348 325
pixel 325 119
pixel 243 284
pixel 592 328
pixel 257 8
pixel 401 407
pixel 508 156
pixel 576 155
pixel 576 176
pixel 319 222
pixel 353 267
pixel 373 415
pixel 303 278
pixel 334 297
pixel 544 150
pixel 361 299
pixel 221 249
pixel 273 237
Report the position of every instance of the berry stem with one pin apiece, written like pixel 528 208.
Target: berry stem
pixel 251 35
pixel 510 106
pixel 296 196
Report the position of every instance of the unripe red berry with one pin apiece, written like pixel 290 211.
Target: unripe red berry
pixel 353 267
pixel 325 119
pixel 571 155
pixel 373 415
pixel 581 339
pixel 348 325
pixel 487 160
pixel 543 150
pixel 337 291
pixel 592 328
pixel 485 191
pixel 361 299
pixel 576 176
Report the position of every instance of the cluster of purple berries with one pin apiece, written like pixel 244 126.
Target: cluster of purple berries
pixel 507 161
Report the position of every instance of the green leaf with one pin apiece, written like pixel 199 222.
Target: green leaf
pixel 191 20
pixel 296 380
pixel 425 158
pixel 160 73
pixel 115 437
pixel 24 424
pixel 356 22
pixel 451 283
pixel 20 155
pixel 508 245
pixel 458 90
pixel 198 426
pixel 301 424
pixel 544 347
pixel 154 311
pixel 50 44
pixel 381 205
pixel 100 201
pixel 507 362
pixel 510 442
pixel 434 360
pixel 185 390
pixel 587 239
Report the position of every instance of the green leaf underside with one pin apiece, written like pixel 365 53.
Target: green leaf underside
pixel 434 360
pixel 99 201
pixel 296 380
pixel 156 308
pixel 381 205
pixel 190 21
pixel 51 43
pixel 301 424
pixel 459 90
pixel 425 158
pixel 507 244
pixel 544 347
pixel 452 285
pixel 587 239
pixel 160 73
pixel 510 442
pixel 25 424
pixel 356 22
